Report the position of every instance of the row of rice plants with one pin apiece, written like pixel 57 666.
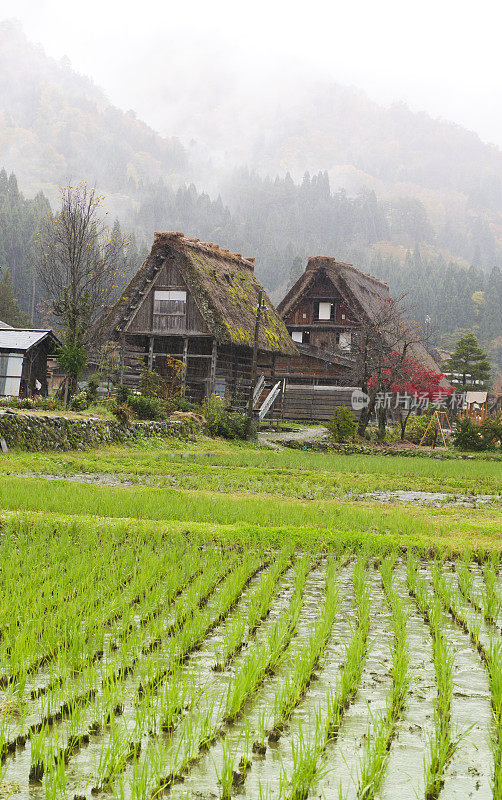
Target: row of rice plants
pixel 154 713
pixel 119 661
pixel 309 747
pixel 304 658
pixel 245 625
pixel 73 625
pixel 382 730
pixel 200 729
pixel 442 744
pixel 488 600
pixel 112 678
pixel 490 651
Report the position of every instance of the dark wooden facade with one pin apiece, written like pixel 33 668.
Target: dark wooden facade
pixel 196 303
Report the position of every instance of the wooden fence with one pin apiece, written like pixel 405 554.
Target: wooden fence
pixel 306 402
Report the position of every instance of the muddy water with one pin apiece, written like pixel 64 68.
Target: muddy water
pixel 203 778
pixel 436 499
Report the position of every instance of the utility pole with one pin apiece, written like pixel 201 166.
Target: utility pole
pixel 249 422
pixel 427 327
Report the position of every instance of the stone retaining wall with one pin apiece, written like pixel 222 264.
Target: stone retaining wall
pixel 34 432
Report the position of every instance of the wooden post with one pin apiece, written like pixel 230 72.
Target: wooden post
pixel 249 421
pixel 185 362
pixel 212 369
pixel 150 354
pixel 121 369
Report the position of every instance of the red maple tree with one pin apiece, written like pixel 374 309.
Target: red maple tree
pixel 408 376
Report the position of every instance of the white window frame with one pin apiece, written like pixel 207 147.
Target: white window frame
pixel 171 294
pixel 297 336
pixel 324 312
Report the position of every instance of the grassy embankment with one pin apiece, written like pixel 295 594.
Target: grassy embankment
pixel 243 491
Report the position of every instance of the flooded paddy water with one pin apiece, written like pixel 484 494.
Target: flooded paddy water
pixel 194 689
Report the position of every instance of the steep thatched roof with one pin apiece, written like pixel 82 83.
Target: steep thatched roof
pixel 223 285
pixel 366 295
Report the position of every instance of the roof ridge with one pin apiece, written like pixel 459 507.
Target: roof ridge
pixel 161 237
pixel 327 262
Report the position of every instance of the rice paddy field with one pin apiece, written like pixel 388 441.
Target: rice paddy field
pixel 201 619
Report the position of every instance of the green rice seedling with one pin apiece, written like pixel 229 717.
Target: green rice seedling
pixel 263 659
pixel 113 755
pixel 307 656
pixel 226 772
pixel 442 743
pixel 491 655
pixel 138 784
pixel 232 638
pixel 381 732
pixel 55 781
pixel 492 598
pixel 37 753
pixel 494 665
pixel 309 761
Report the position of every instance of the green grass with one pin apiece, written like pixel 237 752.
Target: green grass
pixel 223 466
pixel 241 489
pixel 327 519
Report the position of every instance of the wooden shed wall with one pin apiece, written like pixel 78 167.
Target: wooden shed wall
pixel 304 402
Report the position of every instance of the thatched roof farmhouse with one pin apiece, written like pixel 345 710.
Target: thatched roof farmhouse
pixel 196 302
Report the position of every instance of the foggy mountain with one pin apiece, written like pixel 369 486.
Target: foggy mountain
pixel 56 126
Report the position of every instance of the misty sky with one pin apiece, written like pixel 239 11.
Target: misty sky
pixel 439 56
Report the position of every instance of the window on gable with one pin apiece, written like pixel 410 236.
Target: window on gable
pixel 169 309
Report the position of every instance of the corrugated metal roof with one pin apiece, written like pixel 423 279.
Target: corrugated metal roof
pixel 4 326
pixel 16 339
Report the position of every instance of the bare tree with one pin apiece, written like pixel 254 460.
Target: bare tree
pixel 388 332
pixel 79 267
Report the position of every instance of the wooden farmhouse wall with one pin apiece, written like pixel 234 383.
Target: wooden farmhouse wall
pixel 163 310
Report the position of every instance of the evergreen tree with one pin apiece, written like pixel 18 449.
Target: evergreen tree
pixel 470 362
pixel 9 309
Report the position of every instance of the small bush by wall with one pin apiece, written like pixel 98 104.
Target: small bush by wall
pixel 31 432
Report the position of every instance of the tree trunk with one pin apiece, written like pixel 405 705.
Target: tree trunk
pixel 382 416
pixel 404 421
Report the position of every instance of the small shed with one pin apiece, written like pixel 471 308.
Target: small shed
pixel 476 404
pixel 23 360
pixel 195 302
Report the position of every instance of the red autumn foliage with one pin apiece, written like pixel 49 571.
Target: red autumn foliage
pixel 409 376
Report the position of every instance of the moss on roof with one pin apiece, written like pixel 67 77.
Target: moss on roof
pixel 225 289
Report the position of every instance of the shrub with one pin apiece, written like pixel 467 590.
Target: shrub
pixel 123 412
pixel 485 436
pixel 152 384
pixel 222 422
pixel 29 403
pixel 146 407
pixel 182 404
pixel 343 426
pixel 79 402
pixel 123 394
pixel 416 428
pixel 92 388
